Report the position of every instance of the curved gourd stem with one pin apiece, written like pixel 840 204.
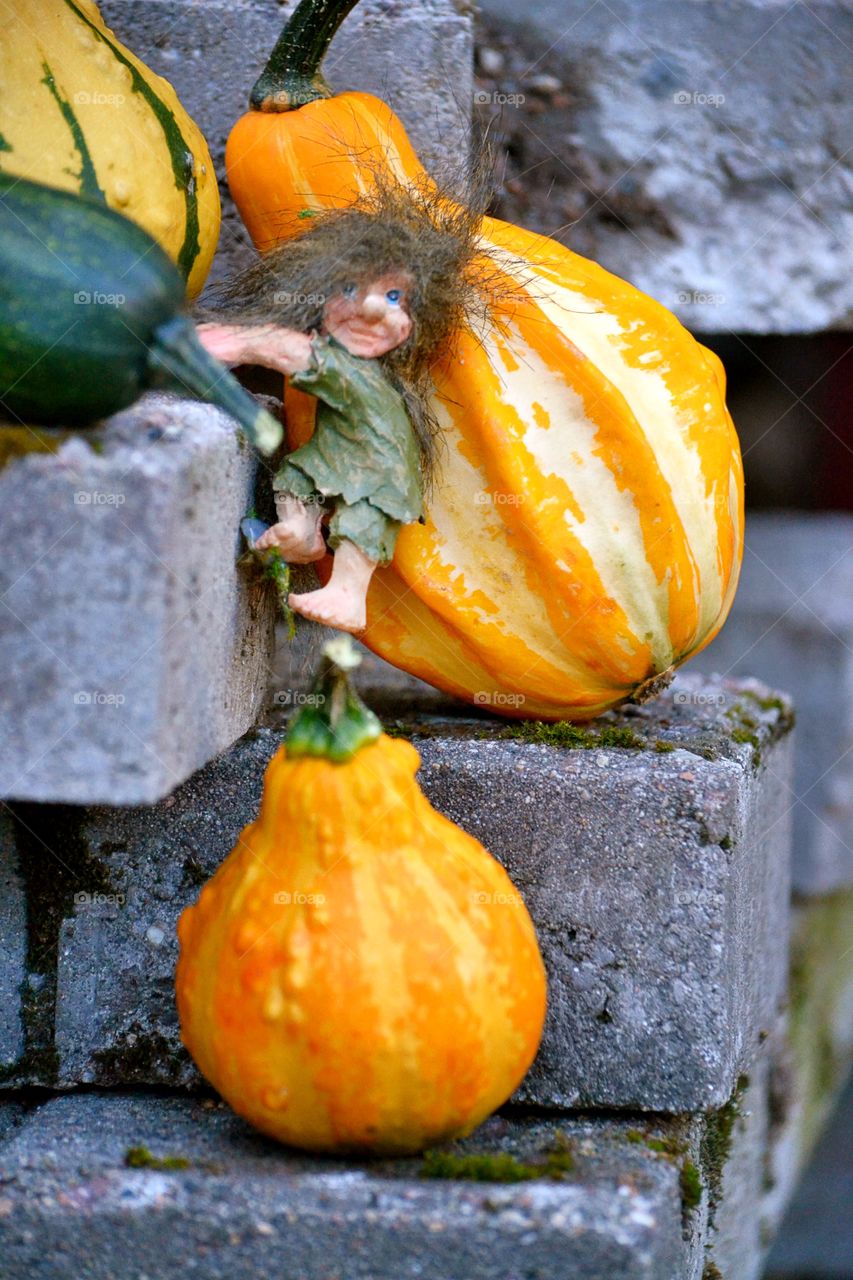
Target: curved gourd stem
pixel 292 75
pixel 334 723
pixel 178 362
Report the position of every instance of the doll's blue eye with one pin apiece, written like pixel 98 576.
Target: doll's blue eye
pixel 349 290
pixel 394 296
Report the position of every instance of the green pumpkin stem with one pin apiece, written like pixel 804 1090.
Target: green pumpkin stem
pixel 178 362
pixel 292 76
pixel 334 724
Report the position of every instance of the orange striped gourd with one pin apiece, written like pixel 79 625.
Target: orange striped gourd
pixel 359 974
pixel 586 532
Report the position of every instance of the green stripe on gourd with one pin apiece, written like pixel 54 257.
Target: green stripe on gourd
pixel 89 185
pixel 180 154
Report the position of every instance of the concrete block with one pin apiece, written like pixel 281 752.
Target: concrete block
pixel 792 626
pixel 657 880
pixel 241 1205
pixel 132 646
pixel 418 57
pixel 698 150
pixel 13 948
pixel 659 883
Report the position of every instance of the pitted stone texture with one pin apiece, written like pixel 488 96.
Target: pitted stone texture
pixel 417 56
pixel 659 887
pixel 13 948
pixel 133 648
pixel 72 1207
pixel 792 625
pixel 702 156
pixel 657 882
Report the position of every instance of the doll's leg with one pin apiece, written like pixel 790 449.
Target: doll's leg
pixel 297 534
pixel 342 603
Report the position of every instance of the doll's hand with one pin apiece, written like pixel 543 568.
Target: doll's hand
pixel 272 346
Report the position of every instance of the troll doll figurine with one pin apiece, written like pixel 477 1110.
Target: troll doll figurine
pixel 354 312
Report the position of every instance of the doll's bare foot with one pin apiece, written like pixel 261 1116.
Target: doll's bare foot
pixel 292 543
pixel 342 603
pixel 297 535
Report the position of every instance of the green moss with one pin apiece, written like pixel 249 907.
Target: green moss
pixel 18 442
pixel 711 1272
pixel 141 1158
pixel 772 703
pixel 715 1147
pixel 139 1056
pixel 751 737
pixel 727 843
pixel 662 747
pixel 820 979
pixel 691 1186
pixel 670 1147
pixel 562 733
pixel 556 1160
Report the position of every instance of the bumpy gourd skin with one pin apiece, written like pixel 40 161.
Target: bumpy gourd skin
pixel 80 112
pixel 359 975
pixel 586 529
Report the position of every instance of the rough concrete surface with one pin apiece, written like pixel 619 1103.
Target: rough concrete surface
pixel 659 886
pixel 657 880
pixel 244 1208
pixel 792 626
pixel 416 56
pixel 133 648
pixel 698 149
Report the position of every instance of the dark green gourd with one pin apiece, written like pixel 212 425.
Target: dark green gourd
pixel 91 315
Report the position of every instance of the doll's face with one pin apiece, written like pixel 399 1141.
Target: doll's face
pixel 371 319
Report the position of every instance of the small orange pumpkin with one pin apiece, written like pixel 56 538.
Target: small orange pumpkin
pixel 359 974
pixel 586 532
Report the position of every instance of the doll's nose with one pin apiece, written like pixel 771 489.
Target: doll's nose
pixel 373 307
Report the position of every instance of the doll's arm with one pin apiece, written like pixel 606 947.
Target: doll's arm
pixel 270 345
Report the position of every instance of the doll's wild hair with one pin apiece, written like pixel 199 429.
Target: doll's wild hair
pixel 419 229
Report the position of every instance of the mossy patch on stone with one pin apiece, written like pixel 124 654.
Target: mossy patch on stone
pixel 139 1055
pixel 716 1143
pixel 141 1158
pixel 691 1186
pixel 556 1160
pixel 18 442
pixel 563 733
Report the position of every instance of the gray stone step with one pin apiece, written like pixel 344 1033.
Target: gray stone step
pixel 692 145
pixel 416 56
pixel 792 626
pixel 656 874
pixel 181 1185
pixel 133 648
